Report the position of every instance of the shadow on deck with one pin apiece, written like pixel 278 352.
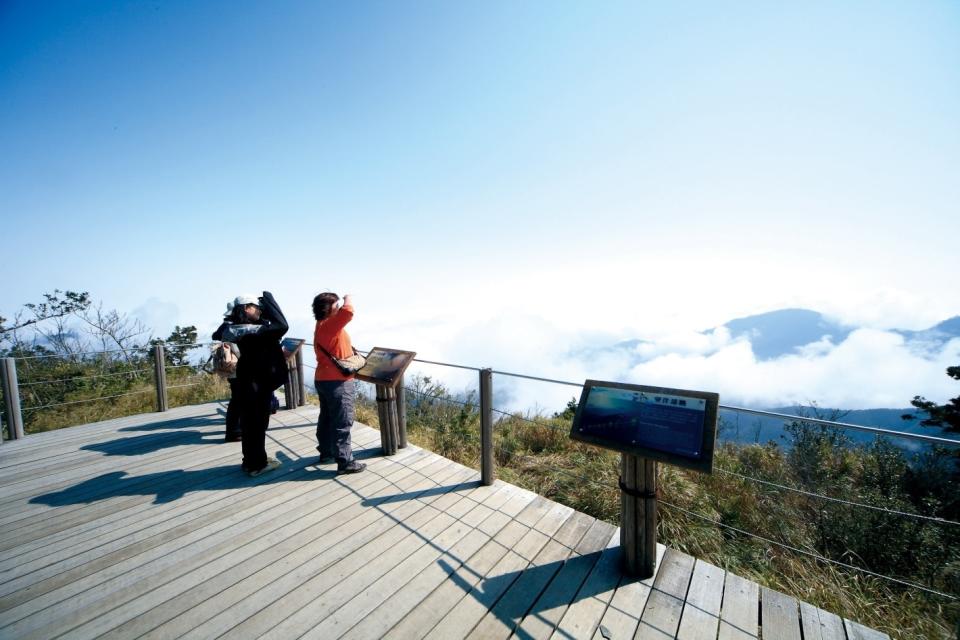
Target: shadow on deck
pixel 147 527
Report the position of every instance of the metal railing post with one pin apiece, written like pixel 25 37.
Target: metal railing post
pixel 302 391
pixel 11 394
pixel 401 415
pixel 486 427
pixel 160 376
pixel 290 385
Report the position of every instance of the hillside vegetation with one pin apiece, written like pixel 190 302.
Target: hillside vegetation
pixel 701 514
pixel 727 518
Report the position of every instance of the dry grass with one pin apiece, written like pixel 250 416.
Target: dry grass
pixel 536 453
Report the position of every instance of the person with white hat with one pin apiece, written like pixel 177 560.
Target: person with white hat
pixel 258 326
pixel 233 434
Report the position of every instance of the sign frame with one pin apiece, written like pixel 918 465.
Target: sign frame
pixel 703 463
pixel 291 346
pixel 391 377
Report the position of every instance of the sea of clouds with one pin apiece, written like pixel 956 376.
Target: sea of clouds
pixel 870 368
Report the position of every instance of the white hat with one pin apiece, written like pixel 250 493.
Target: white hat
pixel 229 310
pixel 246 298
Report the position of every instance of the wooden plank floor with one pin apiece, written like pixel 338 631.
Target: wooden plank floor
pixel 145 527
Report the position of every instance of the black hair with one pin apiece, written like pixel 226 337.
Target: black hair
pixel 323 303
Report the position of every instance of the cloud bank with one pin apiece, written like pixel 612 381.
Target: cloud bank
pixel 869 369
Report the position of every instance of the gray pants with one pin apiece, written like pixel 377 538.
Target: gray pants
pixel 336 418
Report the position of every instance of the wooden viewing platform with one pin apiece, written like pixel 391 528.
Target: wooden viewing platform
pixel 145 527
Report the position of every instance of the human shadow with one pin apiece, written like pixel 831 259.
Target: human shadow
pixel 539 591
pixel 177 423
pixel 412 495
pixel 167 486
pixel 139 445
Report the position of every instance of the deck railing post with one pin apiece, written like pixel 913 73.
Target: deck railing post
pixel 11 395
pixel 290 385
pixel 302 388
pixel 486 427
pixel 160 376
pixel 401 415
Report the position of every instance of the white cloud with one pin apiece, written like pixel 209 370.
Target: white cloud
pixel 870 369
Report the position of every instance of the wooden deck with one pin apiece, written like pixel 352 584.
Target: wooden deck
pixel 145 527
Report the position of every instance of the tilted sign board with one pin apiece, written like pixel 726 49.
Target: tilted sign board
pixel 385 366
pixel 675 426
pixel 290 346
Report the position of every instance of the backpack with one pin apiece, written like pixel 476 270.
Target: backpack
pixel 224 360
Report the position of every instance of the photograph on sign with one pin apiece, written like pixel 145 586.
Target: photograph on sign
pixel 675 426
pixel 385 366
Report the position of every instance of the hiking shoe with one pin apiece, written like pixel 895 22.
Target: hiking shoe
pixel 272 463
pixel 351 467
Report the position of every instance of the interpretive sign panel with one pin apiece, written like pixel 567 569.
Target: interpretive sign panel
pixel 385 366
pixel 290 346
pixel 675 426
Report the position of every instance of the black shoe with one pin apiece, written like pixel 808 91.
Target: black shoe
pixel 233 437
pixel 327 460
pixel 351 467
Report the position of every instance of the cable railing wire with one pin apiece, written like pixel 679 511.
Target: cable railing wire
pixel 815 556
pixel 818 557
pixel 61 404
pixel 441 398
pixel 181 386
pixel 74 378
pixel 759 412
pixel 83 353
pixel 778 486
pixel 845 425
pixel 820 496
pixel 516 416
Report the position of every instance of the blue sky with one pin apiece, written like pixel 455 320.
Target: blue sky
pixel 607 169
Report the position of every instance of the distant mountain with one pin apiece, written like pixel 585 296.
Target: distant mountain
pixel 782 332
pixel 940 333
pixel 747 429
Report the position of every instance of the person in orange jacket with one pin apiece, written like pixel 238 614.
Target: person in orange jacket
pixel 336 390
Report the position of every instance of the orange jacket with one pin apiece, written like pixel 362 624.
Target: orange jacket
pixel 330 335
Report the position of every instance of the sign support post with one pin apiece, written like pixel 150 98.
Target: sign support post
pixel 386 410
pixel 384 369
pixel 646 425
pixel 638 515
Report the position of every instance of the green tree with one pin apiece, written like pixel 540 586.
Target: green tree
pixel 939 415
pixel 178 344
pixel 58 304
pixel 569 411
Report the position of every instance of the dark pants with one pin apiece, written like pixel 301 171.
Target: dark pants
pixel 336 419
pixel 254 408
pixel 233 411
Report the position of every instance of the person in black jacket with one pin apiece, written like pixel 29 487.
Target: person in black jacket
pixel 256 328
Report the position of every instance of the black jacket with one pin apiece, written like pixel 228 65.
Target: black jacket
pixel 261 367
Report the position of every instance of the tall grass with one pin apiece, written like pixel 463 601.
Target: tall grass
pixel 535 452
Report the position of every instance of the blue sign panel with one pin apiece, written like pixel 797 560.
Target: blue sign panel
pixel 671 425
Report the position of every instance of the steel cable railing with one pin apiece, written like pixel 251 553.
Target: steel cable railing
pixel 810 494
pixel 41 392
pixel 67 356
pixel 503 450
pixel 98 399
pixel 809 554
pixel 93 377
